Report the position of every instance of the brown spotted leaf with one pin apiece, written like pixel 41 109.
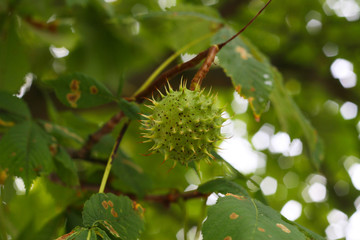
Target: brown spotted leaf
pixel 236 217
pixel 80 91
pixel 80 233
pixel 129 176
pixel 25 152
pixel 249 70
pixel 117 215
pixel 222 185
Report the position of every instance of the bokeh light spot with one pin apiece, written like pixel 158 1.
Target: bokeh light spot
pixel 343 70
pixel 291 180
pixel 58 52
pixel 354 172
pixel 239 104
pixel 330 49
pixel 268 186
pixel 280 142
pixel 349 110
pixel 164 4
pixel 292 210
pixel 317 192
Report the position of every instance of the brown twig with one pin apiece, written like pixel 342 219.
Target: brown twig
pixel 43 26
pixel 221 45
pixel 169 74
pixel 171 197
pixel 165 199
pixel 94 138
pixel 119 138
pixel 201 73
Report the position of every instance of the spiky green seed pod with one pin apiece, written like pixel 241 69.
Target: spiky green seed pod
pixel 184 125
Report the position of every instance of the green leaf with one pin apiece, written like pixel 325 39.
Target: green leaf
pixel 103 148
pixel 130 175
pixel 66 168
pixel 183 12
pixel 82 3
pixel 294 122
pixel 12 110
pixel 118 215
pixel 238 217
pixel 243 180
pixel 222 185
pixel 48 231
pixel 248 69
pixel 190 21
pixel 64 135
pixel 81 233
pixel 80 91
pixel 77 124
pixel 13 60
pixel 130 109
pixel 25 152
pixel 120 84
pixel 310 234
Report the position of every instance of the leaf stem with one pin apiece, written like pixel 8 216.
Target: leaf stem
pixel 201 73
pixel 112 156
pixel 182 204
pixel 213 50
pixel 201 219
pixel 245 27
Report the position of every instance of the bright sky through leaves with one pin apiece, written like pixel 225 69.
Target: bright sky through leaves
pixel 292 210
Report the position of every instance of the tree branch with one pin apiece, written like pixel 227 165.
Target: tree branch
pixel 94 138
pixel 165 199
pixel 201 73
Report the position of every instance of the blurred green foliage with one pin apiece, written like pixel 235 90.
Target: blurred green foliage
pixel 119 44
